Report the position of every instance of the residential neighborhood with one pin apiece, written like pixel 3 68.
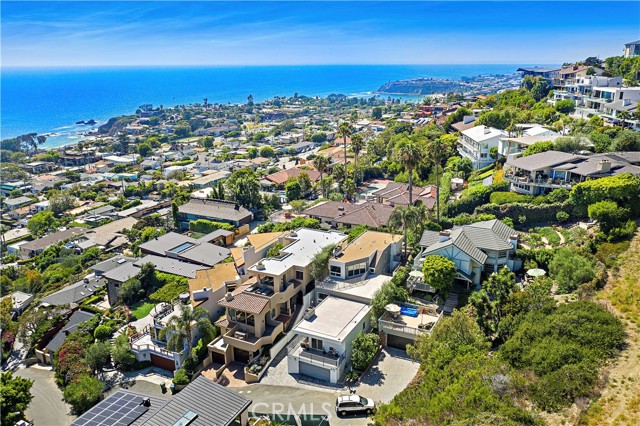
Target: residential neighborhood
pixel 197 264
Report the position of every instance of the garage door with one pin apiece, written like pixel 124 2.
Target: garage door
pixel 398 342
pixel 167 364
pixel 315 371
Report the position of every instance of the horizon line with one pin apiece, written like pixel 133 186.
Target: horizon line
pixel 275 65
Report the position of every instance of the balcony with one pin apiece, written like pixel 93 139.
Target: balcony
pixel 318 357
pixel 544 183
pixel 409 326
pixel 248 341
pixel 143 342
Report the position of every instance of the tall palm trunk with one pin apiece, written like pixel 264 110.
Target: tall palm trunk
pixel 437 194
pixel 410 188
pixel 344 179
pixel 322 184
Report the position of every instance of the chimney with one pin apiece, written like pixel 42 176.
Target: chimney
pixel 444 236
pixel 513 239
pixel 604 166
pixel 228 297
pixel 487 130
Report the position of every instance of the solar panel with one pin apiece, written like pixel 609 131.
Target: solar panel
pixel 121 409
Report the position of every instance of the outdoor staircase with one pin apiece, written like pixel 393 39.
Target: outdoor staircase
pixel 294 318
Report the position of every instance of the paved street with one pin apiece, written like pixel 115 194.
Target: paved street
pixel 47 407
pixel 284 399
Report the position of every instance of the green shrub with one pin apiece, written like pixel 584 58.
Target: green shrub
pixel 624 189
pixel 560 388
pixel 532 213
pixel 83 393
pixel 204 226
pixel 169 291
pixel 562 216
pixel 569 269
pixel 474 197
pixel 180 377
pixel 365 347
pixel 102 332
pixel 509 197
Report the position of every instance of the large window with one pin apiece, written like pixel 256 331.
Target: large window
pixel 241 317
pixel 355 270
pixel 336 271
pixel 300 275
pixel 316 344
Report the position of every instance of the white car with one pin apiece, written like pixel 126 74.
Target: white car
pixel 348 404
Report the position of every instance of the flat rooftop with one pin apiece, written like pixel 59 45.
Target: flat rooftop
pixel 366 244
pixel 334 319
pixel 362 289
pixel 305 244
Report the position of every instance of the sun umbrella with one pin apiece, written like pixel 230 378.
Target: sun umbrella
pixel 536 272
pixel 392 308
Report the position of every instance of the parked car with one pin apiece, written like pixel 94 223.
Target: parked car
pixel 348 404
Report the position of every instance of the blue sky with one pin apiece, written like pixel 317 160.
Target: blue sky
pixel 283 33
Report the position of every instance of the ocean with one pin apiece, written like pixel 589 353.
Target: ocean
pixel 51 100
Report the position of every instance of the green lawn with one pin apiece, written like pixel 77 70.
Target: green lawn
pixel 142 308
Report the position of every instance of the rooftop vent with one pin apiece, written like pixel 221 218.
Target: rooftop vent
pixel 146 402
pixel 487 130
pixel 228 297
pixel 309 313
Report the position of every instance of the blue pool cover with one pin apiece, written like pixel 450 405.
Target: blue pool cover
pixel 410 312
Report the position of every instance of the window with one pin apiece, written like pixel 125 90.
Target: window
pixel 336 271
pixel 355 270
pixel 299 275
pixel 316 344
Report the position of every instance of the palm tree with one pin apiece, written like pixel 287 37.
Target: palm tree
pixel 321 163
pixel 404 218
pixel 345 131
pixel 409 155
pixel 357 144
pixel 623 116
pixel 181 328
pixel 436 149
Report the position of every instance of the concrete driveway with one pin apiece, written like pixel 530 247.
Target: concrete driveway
pixel 47 407
pixel 390 372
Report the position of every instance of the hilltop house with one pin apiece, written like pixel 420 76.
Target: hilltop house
pixel 543 172
pixel 361 267
pixel 525 136
pixel 327 333
pixel 213 210
pixel 336 213
pixel 259 311
pixel 481 247
pixel 632 49
pixel 476 143
pixel 397 194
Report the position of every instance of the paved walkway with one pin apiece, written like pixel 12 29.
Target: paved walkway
pixel 47 407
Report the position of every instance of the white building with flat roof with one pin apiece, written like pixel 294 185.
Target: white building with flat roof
pixel 326 337
pixel 475 144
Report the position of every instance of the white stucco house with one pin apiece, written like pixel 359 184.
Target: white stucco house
pixel 476 142
pixel 326 338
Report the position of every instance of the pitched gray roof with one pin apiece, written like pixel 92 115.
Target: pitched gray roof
pixel 170 266
pixel 122 273
pixel 49 240
pixel 543 160
pixel 214 405
pixel 189 249
pixel 109 264
pixel 74 293
pixel 166 242
pixel 472 239
pixel 215 209
pixel 71 326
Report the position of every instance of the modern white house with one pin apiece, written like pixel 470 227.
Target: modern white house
pixel 327 331
pixel 525 136
pixel 632 49
pixel 479 247
pixel 476 142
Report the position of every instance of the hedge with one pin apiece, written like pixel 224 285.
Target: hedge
pixel 623 189
pixel 474 197
pixel 535 213
pixel 204 226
